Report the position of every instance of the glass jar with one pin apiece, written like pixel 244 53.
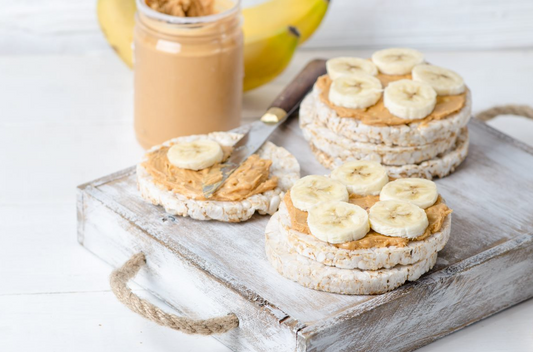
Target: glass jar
pixel 188 72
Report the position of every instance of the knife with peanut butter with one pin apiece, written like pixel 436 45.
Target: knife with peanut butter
pixel 282 107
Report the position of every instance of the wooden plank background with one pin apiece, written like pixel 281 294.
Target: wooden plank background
pixel 435 24
pixel 60 26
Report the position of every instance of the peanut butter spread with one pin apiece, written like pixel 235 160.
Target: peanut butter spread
pixel 435 213
pixel 252 177
pixel 379 115
pixel 183 8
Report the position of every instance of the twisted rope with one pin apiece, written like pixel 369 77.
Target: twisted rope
pixel 518 110
pixel 119 279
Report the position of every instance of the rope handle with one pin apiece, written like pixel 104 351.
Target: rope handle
pixel 119 279
pixel 518 110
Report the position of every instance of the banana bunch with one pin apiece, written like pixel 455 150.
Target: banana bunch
pixel 272 32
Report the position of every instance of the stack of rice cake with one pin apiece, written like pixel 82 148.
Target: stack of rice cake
pixel 325 240
pixel 422 144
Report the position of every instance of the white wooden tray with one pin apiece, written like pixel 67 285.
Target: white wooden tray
pixel 206 269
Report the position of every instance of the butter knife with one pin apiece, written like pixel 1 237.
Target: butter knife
pixel 283 106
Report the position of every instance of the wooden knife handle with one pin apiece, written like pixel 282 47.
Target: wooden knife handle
pixel 292 95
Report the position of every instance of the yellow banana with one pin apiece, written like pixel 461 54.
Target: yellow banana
pixel 305 15
pixel 269 39
pixel 309 24
pixel 261 30
pixel 117 18
pixel 266 58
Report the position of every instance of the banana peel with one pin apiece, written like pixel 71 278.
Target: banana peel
pixel 117 19
pixel 305 15
pixel 309 24
pixel 261 63
pixel 272 32
pixel 298 20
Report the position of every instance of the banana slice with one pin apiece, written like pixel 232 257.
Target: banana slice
pixel 398 219
pixel 362 177
pixel 444 81
pixel 420 192
pixel 342 66
pixel 313 189
pixel 409 100
pixel 397 61
pixel 195 155
pixel 338 222
pixel 356 91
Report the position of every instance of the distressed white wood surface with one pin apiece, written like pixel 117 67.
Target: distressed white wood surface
pixel 484 233
pixel 485 226
pixel 480 221
pixel 67 119
pixel 61 26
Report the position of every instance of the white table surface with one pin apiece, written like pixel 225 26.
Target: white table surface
pixel 67 119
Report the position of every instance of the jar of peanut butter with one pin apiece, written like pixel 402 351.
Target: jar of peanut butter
pixel 188 64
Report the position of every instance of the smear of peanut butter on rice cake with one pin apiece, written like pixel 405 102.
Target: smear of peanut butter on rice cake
pixel 436 215
pixel 379 115
pixel 252 177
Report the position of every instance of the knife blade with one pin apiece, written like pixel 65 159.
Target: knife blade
pixel 260 131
